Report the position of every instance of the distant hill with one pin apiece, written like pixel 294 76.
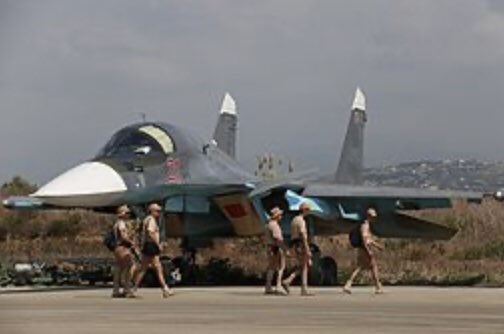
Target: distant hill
pixel 474 175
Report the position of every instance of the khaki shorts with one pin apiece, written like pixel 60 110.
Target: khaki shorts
pixel 273 250
pixel 299 251
pixel 364 260
pixel 298 247
pixel 123 256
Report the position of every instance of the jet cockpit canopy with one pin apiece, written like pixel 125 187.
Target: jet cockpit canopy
pixel 145 139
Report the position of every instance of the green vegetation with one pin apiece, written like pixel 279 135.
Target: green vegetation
pixel 17 187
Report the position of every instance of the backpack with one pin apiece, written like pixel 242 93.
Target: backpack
pixel 110 240
pixel 355 237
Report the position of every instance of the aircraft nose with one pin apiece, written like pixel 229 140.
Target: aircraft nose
pixel 89 178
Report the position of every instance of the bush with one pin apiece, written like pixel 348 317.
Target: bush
pixel 69 228
pixel 17 187
pixel 494 250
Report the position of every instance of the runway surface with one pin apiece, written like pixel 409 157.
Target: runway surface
pixel 247 310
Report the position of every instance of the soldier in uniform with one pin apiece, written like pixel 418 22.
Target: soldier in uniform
pixel 122 255
pixel 301 248
pixel 362 239
pixel 276 252
pixel 151 249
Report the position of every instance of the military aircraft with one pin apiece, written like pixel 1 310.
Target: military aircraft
pixel 205 192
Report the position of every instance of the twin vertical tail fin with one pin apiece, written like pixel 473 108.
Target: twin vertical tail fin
pixel 351 163
pixel 225 132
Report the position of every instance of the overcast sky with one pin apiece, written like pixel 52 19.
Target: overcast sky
pixel 73 72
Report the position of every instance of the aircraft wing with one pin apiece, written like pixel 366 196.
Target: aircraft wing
pixel 393 221
pixel 336 208
pixel 406 198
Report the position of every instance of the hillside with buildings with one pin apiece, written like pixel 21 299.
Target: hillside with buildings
pixel 474 175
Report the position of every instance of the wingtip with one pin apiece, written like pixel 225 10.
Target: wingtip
pixel 228 105
pixel 359 102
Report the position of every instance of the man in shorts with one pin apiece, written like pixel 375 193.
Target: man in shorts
pixel 362 239
pixel 151 249
pixel 276 252
pixel 301 247
pixel 122 255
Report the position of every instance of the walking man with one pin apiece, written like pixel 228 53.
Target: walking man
pixel 122 255
pixel 151 248
pixel 362 239
pixel 301 247
pixel 276 252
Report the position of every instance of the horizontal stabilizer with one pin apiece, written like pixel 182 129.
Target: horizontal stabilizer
pixel 405 226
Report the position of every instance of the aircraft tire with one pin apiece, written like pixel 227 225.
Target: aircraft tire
pixel 328 271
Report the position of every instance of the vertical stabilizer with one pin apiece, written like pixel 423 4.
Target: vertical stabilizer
pixel 351 161
pixel 225 132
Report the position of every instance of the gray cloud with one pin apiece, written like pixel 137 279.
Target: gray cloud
pixel 71 73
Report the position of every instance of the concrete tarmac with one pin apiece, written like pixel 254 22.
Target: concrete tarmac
pixel 246 310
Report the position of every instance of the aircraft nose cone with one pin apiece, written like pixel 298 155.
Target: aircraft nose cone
pixel 89 179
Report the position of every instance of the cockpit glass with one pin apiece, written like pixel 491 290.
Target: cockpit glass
pixel 147 140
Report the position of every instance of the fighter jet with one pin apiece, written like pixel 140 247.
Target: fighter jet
pixel 205 192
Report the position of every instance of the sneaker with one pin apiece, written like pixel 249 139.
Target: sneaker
pixel 305 293
pixel 269 292
pixel 286 286
pixel 347 290
pixel 280 292
pixel 130 294
pixel 167 292
pixel 118 295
